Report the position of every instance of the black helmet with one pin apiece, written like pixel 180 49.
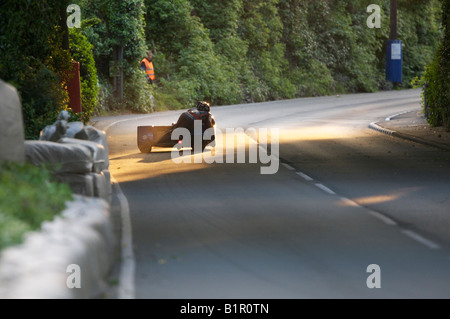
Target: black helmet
pixel 203 106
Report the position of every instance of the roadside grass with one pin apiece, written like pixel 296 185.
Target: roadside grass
pixel 28 197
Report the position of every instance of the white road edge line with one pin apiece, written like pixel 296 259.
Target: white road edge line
pixel 350 202
pixel 127 270
pixel 326 189
pixel 379 216
pixel 430 244
pixel 304 176
pixel 383 218
pixel 289 167
pixel 126 288
pixel 120 121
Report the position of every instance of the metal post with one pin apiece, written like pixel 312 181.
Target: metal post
pixel 393 19
pixel 121 74
pixel 65 29
pixel 394 54
pixel 116 72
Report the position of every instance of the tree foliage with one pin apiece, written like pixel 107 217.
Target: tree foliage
pixel 283 48
pixel 82 51
pixel 224 51
pixel 115 26
pixel 32 59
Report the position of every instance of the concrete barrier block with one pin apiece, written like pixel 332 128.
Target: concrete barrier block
pixel 108 184
pixel 12 133
pixel 80 184
pixel 60 158
pixel 100 156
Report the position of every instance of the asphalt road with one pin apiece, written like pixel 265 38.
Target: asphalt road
pixel 343 197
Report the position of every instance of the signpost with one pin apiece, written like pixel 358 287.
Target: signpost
pixel 394 52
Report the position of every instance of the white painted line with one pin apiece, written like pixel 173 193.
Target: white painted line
pixel 349 202
pixel 421 239
pixel 379 216
pixel 383 218
pixel 126 288
pixel 304 176
pixel 120 121
pixel 289 167
pixel 127 270
pixel 326 189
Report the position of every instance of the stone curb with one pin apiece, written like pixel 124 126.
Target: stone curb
pixel 375 126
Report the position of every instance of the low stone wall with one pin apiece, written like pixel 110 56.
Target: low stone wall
pixel 11 125
pixel 73 255
pixel 70 258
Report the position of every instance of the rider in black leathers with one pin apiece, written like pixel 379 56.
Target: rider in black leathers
pixel 186 120
pixel 200 112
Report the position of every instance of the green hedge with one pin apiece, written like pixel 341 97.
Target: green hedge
pixel 28 197
pixel 82 51
pixel 436 93
pixel 32 58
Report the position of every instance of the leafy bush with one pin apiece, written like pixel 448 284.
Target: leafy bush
pixel 189 65
pixel 436 94
pixel 118 24
pixel 33 60
pixel 445 63
pixel 316 80
pixel 433 92
pixel 137 92
pixel 28 197
pixel 82 52
pixel 166 101
pixel 105 96
pixel 43 97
